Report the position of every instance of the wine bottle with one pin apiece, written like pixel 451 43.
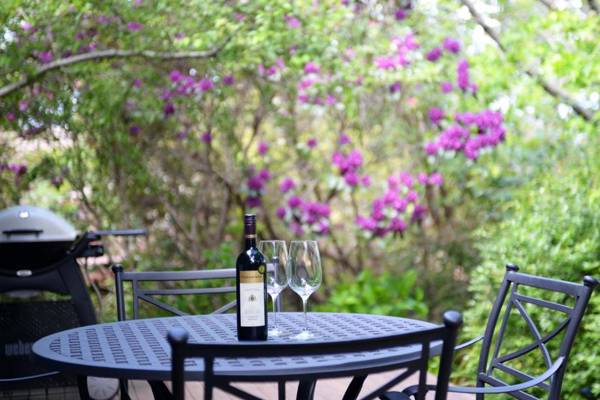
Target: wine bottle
pixel 251 287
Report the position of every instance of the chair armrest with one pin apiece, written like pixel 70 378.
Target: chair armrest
pixel 468 343
pixel 412 390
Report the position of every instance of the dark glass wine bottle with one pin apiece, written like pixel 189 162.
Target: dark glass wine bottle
pixel 251 287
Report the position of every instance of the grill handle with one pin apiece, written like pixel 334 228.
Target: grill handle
pixel 122 232
pixel 35 232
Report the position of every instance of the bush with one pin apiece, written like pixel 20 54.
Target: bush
pixel 385 294
pixel 553 230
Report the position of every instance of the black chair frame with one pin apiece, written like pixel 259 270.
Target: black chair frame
pixel 182 349
pixel 147 295
pixel 555 371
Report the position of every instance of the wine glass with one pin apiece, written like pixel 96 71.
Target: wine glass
pixel 304 275
pixel 276 257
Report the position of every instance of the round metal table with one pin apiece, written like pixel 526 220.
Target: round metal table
pixel 138 349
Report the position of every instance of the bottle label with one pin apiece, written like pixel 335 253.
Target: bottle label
pixel 252 298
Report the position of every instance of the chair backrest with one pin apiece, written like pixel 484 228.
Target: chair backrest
pixel 140 293
pixel 512 296
pixel 181 349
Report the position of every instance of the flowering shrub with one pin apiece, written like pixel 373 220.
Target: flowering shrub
pixel 344 122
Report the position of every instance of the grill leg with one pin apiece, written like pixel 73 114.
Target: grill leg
pixel 70 273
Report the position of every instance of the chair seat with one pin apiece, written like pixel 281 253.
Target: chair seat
pixel 394 396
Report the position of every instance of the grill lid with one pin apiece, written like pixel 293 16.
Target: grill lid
pixel 33 224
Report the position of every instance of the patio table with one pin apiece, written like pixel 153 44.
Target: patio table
pixel 138 349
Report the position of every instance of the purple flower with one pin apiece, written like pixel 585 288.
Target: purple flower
pixel 175 76
pixel 344 139
pixel 134 26
pixel 137 83
pixel 228 80
pixel 311 143
pixel 134 130
pixel 395 87
pixel 297 229
pixel 179 35
pixel 10 116
pixel 294 202
pixel 169 109
pixel 400 14
pixel 263 148
pixel 406 179
pixel 26 26
pixel 365 180
pixel 45 57
pixel 385 62
pixel 330 100
pixel 397 225
pixel 264 175
pixel 412 196
pixel 253 201
pixel 451 45
pixel 311 68
pixel 446 87
pixel 355 159
pixel 462 74
pixel 436 179
pixel 255 183
pixel 181 135
pixel 422 178
pixel 286 185
pixel 23 105
pixel 280 213
pixel 292 22
pixel 434 54
pixel 419 212
pixel 205 84
pixel 323 228
pixel 436 114
pixel 366 223
pixel 431 148
pixel 18 169
pixel 400 205
pixel 351 178
pixel 56 181
pixel 206 137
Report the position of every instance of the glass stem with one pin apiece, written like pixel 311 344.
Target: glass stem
pixel 304 301
pixel 274 298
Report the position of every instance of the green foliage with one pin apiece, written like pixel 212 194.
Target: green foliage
pixel 553 230
pixel 386 294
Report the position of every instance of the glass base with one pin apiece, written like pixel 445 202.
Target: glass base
pixel 304 335
pixel 275 332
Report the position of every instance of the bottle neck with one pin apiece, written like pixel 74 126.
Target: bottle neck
pixel 249 241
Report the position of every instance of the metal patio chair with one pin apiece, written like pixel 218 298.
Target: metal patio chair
pixel 509 298
pixel 141 294
pixel 182 349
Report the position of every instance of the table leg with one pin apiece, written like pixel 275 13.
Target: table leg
pixel 82 386
pixel 160 390
pixel 281 390
pixel 306 389
pixel 354 388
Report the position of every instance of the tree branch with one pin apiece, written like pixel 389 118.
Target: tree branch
pixel 551 88
pixel 109 54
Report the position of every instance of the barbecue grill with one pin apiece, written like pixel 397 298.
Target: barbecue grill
pixel 39 251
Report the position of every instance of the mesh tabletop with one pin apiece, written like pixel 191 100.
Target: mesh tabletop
pixel 138 349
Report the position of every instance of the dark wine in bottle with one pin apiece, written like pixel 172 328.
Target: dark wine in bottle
pixel 251 286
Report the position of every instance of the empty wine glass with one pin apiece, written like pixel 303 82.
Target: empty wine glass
pixel 276 257
pixel 304 275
